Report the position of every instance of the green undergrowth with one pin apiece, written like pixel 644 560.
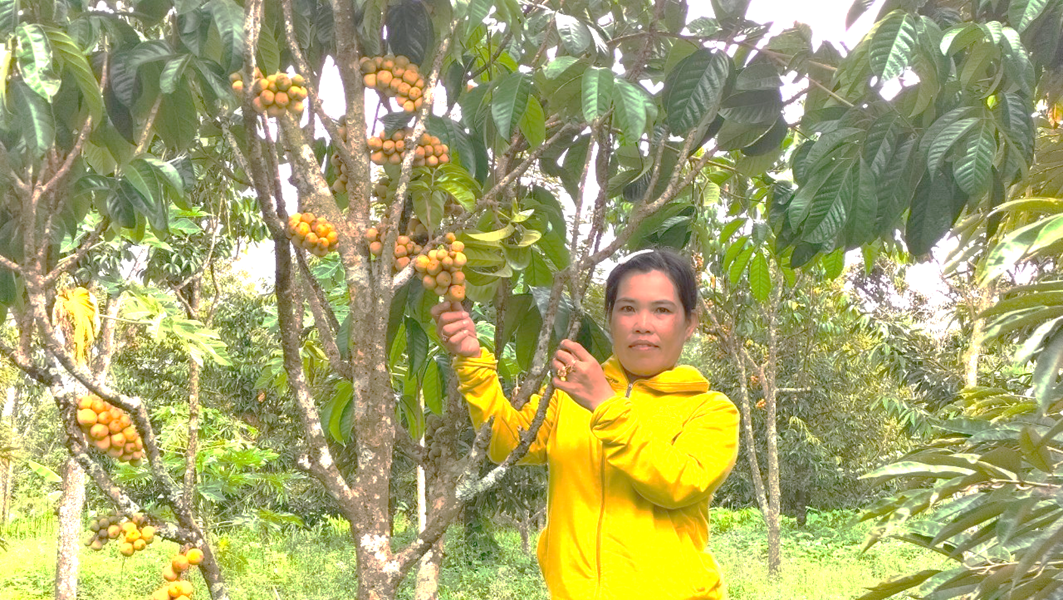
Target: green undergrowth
pixel 821 561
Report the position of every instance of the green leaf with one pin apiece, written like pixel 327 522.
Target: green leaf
pixel 268 51
pixel 477 12
pixel 760 278
pixel 932 213
pixel 752 107
pixel 892 45
pixel 433 386
pixel 597 92
pixel 410 30
pixel 830 206
pixel 148 206
pixel 533 123
pixel 172 74
pixel 911 468
pixel 734 273
pixel 860 223
pixel 973 168
pixel 558 66
pixel 74 60
pixel 229 20
pixel 1023 12
pixel 8 292
pixel 37 121
pixel 820 191
pixel 35 60
pixel 632 110
pixel 9 10
pixel 896 585
pixel 510 102
pixel 834 263
pixel 1046 373
pixel 694 88
pixel 575 35
pixel 48 475
pixel 943 143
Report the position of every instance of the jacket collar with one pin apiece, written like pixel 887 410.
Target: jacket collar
pixel 679 379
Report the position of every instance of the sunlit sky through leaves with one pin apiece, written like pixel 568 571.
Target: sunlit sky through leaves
pixel 826 18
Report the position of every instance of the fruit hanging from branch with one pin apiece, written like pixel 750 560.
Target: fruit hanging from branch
pixel 132 534
pixel 441 269
pixel 110 429
pixel 394 77
pixel 177 588
pixel 313 234
pixel 273 94
pixel 430 151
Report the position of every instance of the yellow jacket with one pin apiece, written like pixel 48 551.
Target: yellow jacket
pixel 630 483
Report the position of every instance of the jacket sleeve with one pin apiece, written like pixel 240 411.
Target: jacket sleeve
pixel 671 474
pixel 478 381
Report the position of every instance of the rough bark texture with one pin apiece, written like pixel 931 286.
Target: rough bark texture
pixel 768 372
pixel 189 487
pixel 7 466
pixel 70 506
pixel 982 298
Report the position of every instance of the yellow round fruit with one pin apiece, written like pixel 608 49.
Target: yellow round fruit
pixel 297 107
pixel 460 260
pixel 377 158
pixel 147 534
pixel 383 78
pixel 366 64
pixel 395 159
pixel 86 417
pixel 303 229
pixel 414 94
pixel 257 105
pixel 409 106
pixel 281 99
pixel 443 279
pixel 283 82
pixel 456 293
pixel 238 86
pixel 103 443
pixel 267 97
pixel 388 146
pixel 169 574
pixel 428 282
pixel 160 594
pixel 332 238
pixel 410 77
pixel 298 80
pixel 274 110
pixel 139 545
pixel 308 218
pixel 401 262
pixel 179 563
pixel 376 248
pixel 195 556
pixel 459 278
pixel 126 549
pixel 184 586
pixel 369 80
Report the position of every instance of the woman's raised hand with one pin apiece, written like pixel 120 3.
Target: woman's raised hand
pixel 577 373
pixel 457 333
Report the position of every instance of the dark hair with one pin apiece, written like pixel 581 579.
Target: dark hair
pixel 677 268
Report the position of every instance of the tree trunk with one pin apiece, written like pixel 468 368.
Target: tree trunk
pixel 429 501
pixel 70 506
pixel 981 299
pixel 768 373
pixel 748 437
pixel 7 466
pixel 194 369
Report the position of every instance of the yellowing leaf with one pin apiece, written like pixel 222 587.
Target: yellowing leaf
pixel 78 315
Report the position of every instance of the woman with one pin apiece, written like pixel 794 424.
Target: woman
pixel 635 446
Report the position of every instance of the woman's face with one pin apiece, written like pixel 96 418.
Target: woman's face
pixel 648 324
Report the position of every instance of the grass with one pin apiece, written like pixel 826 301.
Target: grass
pixel 821 561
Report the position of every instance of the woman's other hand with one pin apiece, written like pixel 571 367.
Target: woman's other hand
pixel 579 375
pixel 457 333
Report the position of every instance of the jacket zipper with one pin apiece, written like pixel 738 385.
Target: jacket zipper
pixel 601 511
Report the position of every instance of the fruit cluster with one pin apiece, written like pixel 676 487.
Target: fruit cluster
pixel 313 234
pixel 340 185
pixel 434 436
pixel 394 76
pixel 430 151
pixel 405 247
pixel 133 534
pixel 177 588
pixel 273 94
pixel 441 270
pixel 110 429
